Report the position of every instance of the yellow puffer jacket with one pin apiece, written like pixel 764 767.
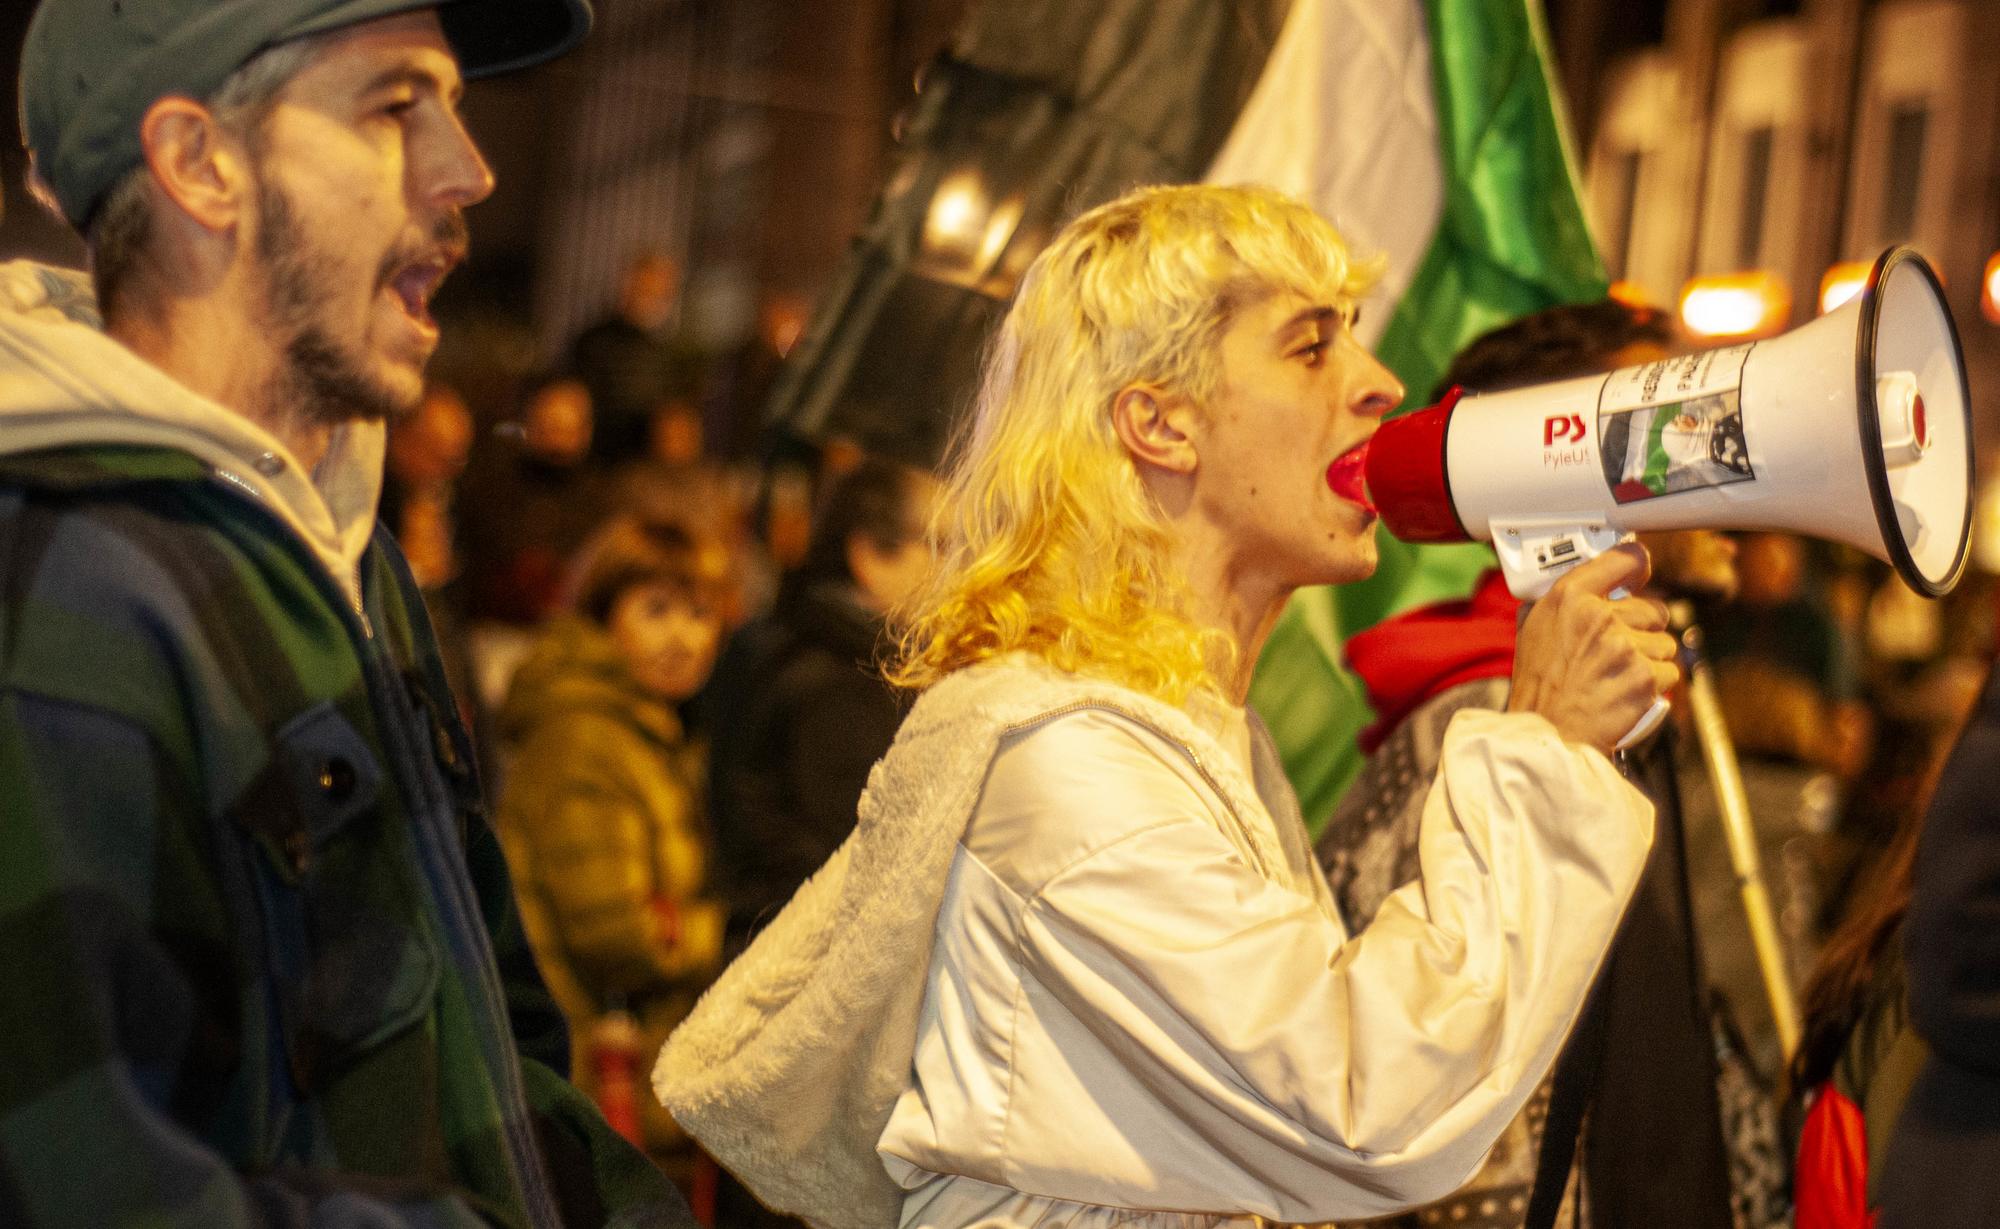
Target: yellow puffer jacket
pixel 601 821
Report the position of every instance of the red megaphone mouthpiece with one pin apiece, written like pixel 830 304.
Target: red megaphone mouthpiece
pixel 1406 478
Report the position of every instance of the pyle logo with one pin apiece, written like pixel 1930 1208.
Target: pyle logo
pixel 1561 427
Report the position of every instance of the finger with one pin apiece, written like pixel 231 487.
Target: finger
pixel 1642 613
pixel 1666 677
pixel 1624 566
pixel 1657 646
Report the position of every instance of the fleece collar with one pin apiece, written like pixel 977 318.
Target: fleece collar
pixel 65 384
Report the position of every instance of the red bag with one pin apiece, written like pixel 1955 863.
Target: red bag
pixel 1830 1187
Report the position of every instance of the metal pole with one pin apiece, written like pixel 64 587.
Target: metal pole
pixel 1727 777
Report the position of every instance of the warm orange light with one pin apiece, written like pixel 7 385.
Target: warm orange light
pixel 958 213
pixel 1989 289
pixel 1841 283
pixel 1631 294
pixel 1735 304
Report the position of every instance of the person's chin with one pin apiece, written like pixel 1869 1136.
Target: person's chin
pixel 1719 586
pixel 1713 584
pixel 1347 561
pixel 399 385
pixel 1360 567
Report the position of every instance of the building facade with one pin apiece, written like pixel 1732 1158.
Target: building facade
pixel 1724 137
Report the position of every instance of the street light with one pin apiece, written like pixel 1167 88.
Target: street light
pixel 1735 304
pixel 967 233
pixel 957 217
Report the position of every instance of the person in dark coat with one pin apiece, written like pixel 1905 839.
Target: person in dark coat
pixel 633 361
pixel 800 709
pixel 800 713
pixel 1943 1165
pixel 1858 1055
pixel 530 499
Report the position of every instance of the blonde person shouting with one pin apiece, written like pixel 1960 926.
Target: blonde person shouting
pixel 1077 966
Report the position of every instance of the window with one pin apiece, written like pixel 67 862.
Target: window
pixel 1907 125
pixel 1625 170
pixel 1756 188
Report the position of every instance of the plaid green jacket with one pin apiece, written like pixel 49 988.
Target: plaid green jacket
pixel 262 963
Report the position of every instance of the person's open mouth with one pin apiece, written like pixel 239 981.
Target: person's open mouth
pixel 416 282
pixel 1348 477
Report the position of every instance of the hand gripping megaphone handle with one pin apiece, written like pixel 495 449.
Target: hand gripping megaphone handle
pixel 1533 553
pixel 1648 722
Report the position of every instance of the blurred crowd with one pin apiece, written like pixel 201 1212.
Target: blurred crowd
pixel 665 628
pixel 605 581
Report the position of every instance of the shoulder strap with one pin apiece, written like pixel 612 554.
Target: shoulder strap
pixel 1569 1100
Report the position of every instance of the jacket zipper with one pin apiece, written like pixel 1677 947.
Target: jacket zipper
pixel 452 890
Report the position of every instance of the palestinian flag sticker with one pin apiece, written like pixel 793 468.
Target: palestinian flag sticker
pixel 1674 425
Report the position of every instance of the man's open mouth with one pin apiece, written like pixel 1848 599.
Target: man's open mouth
pixel 415 283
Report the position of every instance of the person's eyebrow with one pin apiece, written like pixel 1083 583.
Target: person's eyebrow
pixel 418 79
pixel 1318 315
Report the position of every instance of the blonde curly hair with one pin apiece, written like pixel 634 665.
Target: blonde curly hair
pixel 1048 541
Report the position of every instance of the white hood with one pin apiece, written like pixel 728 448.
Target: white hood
pixel 63 382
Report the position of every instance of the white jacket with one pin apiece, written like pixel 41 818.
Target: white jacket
pixel 1138 1006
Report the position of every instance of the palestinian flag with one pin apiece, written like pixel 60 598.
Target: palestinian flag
pixel 1429 132
pixel 1424 130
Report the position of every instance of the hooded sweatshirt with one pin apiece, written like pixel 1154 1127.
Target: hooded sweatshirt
pixel 63 382
pixel 272 972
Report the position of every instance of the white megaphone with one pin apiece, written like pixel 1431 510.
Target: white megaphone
pixel 1856 427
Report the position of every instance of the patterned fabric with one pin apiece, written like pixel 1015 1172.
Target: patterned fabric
pixel 1760 1172
pixel 264 960
pixel 1369 848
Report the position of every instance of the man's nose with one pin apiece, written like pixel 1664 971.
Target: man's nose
pixel 454 172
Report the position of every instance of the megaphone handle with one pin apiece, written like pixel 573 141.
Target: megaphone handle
pixel 1647 723
pixel 1533 553
pixel 1649 720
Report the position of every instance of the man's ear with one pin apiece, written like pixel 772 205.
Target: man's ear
pixel 197 165
pixel 1152 424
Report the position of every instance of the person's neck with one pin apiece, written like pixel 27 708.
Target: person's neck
pixel 218 354
pixel 1225 594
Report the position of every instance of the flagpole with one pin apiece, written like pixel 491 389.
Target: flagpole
pixel 1726 776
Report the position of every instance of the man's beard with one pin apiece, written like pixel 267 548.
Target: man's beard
pixel 318 380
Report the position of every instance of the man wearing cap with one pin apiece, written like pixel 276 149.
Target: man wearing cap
pixel 261 954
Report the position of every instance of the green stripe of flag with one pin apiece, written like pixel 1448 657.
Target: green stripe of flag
pixel 1512 240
